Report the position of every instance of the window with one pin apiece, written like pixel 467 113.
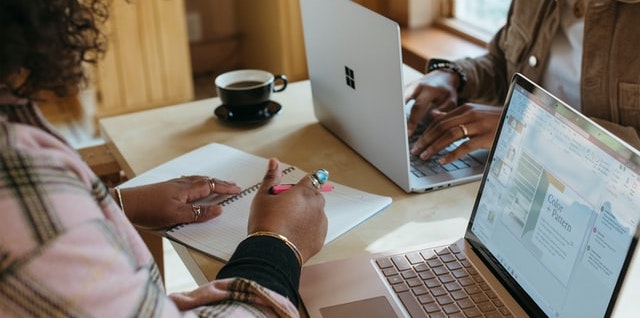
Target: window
pixel 487 15
pixel 477 20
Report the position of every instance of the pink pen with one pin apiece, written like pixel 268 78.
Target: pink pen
pixel 284 187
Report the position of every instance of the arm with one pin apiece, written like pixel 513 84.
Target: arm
pixel 284 230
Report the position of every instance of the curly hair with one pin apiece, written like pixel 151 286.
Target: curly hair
pixel 44 43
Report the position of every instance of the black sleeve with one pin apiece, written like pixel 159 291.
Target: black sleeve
pixel 267 261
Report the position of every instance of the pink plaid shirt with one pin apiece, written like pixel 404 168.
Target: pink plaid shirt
pixel 66 249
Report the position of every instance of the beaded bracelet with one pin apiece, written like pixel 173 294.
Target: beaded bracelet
pixel 439 64
pixel 283 239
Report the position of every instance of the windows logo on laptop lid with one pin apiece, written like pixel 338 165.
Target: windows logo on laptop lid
pixel 552 233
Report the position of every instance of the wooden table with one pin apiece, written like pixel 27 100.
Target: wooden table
pixel 143 140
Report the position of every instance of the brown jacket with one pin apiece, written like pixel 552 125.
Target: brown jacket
pixel 610 83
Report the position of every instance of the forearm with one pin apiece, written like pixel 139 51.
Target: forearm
pixel 269 262
pixel 487 78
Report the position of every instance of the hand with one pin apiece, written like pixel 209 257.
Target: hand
pixel 168 203
pixel 297 213
pixel 481 122
pixel 435 90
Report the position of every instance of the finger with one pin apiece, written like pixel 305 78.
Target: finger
pixel 438 136
pixel 273 176
pixel 460 151
pixel 415 117
pixel 193 212
pixel 209 212
pixel 222 186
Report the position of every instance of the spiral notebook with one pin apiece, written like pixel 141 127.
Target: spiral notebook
pixel 345 207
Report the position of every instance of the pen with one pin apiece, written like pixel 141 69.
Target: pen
pixel 284 187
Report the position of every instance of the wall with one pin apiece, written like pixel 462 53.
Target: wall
pixel 214 36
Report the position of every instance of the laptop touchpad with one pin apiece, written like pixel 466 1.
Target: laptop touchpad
pixel 377 307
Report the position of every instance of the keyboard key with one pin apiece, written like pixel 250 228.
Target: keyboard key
pixel 486 307
pixel 458 273
pixel 472 312
pixel 384 262
pixel 422 267
pixel 409 274
pixel 411 304
pixel 446 278
pixel 458 295
pixel 452 286
pixel 415 258
pixel 389 271
pixel 413 282
pixel 400 287
pixel 448 258
pixel 438 291
pixel 425 299
pixel 401 263
pixel 453 266
pixel 465 303
pixel 396 279
pixel 426 275
pixel 440 270
pixel 432 283
pixel 420 290
pixel 444 300
pixel 466 281
pixel 432 308
pixel 450 309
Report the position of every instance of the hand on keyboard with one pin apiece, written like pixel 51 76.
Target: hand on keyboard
pixel 477 123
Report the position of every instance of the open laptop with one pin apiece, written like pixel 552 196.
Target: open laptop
pixel 355 68
pixel 552 231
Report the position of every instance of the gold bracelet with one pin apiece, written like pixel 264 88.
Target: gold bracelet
pixel 283 239
pixel 117 189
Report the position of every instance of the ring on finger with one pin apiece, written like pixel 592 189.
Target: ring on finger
pixel 319 177
pixel 212 184
pixel 197 210
pixel 465 131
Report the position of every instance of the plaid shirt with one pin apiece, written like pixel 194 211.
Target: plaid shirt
pixel 66 249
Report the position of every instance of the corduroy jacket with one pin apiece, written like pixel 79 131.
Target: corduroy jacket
pixel 610 83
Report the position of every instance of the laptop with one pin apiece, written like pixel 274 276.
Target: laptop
pixel 552 231
pixel 355 69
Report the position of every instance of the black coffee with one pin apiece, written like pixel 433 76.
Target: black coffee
pixel 243 84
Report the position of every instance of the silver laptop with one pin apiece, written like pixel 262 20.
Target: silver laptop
pixel 552 231
pixel 354 61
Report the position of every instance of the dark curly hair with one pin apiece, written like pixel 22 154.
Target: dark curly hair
pixel 43 44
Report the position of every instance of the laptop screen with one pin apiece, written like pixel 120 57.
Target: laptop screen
pixel 557 212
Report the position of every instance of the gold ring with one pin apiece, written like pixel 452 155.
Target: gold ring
pixel 212 184
pixel 197 210
pixel 465 132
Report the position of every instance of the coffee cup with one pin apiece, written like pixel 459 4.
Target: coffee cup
pixel 248 89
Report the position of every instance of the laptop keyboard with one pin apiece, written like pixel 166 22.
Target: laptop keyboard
pixel 430 167
pixel 443 284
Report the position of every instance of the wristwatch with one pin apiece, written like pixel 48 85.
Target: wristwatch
pixel 441 64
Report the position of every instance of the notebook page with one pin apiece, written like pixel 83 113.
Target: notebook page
pixel 345 207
